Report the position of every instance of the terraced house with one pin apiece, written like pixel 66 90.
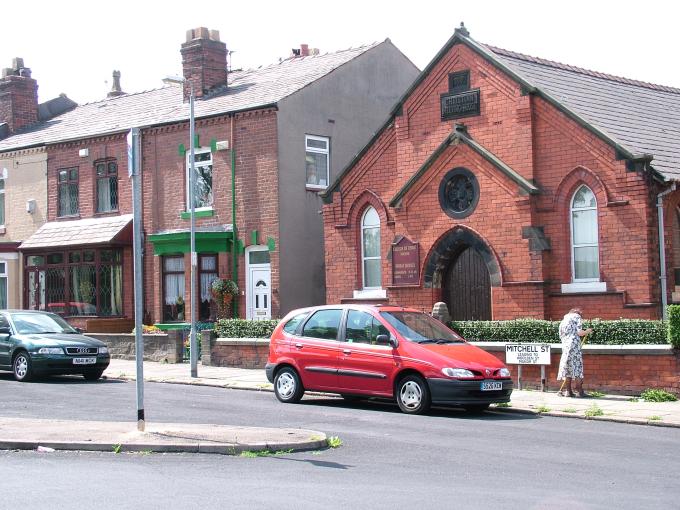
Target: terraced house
pixel 282 131
pixel 511 186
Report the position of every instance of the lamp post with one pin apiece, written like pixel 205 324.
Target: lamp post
pixel 193 343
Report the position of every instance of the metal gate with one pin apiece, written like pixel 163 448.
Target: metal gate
pixel 467 287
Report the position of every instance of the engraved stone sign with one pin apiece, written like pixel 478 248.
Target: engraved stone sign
pixel 405 263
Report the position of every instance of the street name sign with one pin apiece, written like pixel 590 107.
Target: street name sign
pixel 527 354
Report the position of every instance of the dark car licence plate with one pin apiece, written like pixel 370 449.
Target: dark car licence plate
pixel 492 385
pixel 84 361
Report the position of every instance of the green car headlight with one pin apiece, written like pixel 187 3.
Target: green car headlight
pixel 103 350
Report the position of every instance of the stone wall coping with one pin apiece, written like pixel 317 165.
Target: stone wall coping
pixel 242 341
pixel 640 350
pixel 121 335
pixel 643 349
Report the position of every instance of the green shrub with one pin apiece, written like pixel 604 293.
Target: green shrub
pixel 674 325
pixel 611 332
pixel 240 328
pixel 657 395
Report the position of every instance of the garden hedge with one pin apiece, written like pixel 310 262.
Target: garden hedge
pixel 674 325
pixel 241 328
pixel 609 332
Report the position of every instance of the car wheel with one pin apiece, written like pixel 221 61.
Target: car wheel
pixel 23 370
pixel 476 408
pixel 413 395
pixel 287 385
pixel 92 375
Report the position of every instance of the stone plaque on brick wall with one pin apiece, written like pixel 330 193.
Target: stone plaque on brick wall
pixel 405 263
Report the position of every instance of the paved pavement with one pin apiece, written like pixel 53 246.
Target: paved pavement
pixel 18 433
pixel 617 408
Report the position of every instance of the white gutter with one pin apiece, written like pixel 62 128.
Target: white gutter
pixel 662 250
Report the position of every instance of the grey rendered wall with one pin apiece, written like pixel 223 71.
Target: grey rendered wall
pixel 348 105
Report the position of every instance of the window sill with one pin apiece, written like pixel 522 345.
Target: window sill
pixel 583 287
pixel 198 213
pixel 107 213
pixel 315 187
pixel 370 294
pixel 69 217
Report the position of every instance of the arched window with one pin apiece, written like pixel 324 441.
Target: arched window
pixel 584 236
pixel 370 249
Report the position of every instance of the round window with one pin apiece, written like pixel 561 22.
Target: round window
pixel 459 193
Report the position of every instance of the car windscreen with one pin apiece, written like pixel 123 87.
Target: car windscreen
pixel 35 323
pixel 420 327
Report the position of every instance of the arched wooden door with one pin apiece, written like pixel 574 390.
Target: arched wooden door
pixel 467 287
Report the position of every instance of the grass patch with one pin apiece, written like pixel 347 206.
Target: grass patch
pixel 657 395
pixel 504 404
pixel 116 448
pixel 656 417
pixel 543 409
pixel 596 394
pixel 634 399
pixel 251 454
pixel 594 410
pixel 569 410
pixel 334 442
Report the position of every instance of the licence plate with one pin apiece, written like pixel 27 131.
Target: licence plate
pixel 84 361
pixel 492 385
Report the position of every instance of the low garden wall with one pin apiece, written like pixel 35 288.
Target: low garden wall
pixel 165 348
pixel 614 369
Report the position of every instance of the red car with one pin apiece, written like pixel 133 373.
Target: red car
pixel 382 351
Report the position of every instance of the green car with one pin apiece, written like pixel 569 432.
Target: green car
pixel 36 343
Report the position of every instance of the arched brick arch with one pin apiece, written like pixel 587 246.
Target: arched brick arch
pixel 361 203
pixel 448 246
pixel 570 183
pixel 563 196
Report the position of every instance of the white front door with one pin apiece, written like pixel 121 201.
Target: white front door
pixel 258 291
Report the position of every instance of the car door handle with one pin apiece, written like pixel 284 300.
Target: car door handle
pixel 298 346
pixel 346 351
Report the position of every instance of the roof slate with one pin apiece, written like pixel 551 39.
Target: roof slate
pixel 643 117
pixel 76 232
pixel 246 90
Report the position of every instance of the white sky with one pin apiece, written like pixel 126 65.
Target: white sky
pixel 73 46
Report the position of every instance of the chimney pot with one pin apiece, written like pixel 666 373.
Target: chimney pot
pixel 304 50
pixel 116 90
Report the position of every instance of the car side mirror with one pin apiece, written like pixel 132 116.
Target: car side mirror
pixel 5 330
pixel 387 340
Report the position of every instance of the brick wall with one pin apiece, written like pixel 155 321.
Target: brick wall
pixel 164 192
pixel 623 374
pixel 541 144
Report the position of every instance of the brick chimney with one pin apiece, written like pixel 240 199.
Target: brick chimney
pixel 18 96
pixel 204 61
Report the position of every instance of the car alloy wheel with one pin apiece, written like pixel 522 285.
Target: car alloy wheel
pixel 413 395
pixel 22 367
pixel 287 385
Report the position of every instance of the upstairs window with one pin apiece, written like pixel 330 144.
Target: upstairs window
pixel 2 201
pixel 203 179
pixel 584 236
pixel 317 161
pixel 67 192
pixel 370 249
pixel 107 186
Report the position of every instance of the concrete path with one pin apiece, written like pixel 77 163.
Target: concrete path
pixel 608 407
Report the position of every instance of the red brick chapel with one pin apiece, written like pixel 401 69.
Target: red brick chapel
pixel 511 186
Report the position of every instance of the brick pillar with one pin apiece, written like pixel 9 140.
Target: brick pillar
pixel 207 339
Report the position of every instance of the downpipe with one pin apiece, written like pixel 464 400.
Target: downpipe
pixel 662 250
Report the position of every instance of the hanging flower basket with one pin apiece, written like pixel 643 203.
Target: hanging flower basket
pixel 223 292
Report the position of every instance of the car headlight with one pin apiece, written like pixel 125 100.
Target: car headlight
pixel 457 372
pixel 103 350
pixel 50 350
pixel 504 372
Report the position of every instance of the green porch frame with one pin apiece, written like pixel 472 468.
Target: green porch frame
pixel 179 242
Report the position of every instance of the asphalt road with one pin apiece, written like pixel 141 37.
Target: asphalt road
pixel 448 459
